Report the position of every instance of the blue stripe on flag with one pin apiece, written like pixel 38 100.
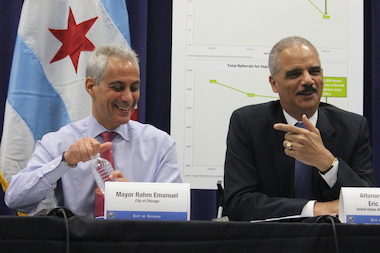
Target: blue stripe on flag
pixel 32 95
pixel 119 15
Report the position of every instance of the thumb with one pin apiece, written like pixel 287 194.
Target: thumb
pixel 105 146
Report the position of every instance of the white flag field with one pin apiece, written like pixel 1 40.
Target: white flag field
pixel 46 88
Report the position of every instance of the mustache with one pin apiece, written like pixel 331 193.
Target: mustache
pixel 307 90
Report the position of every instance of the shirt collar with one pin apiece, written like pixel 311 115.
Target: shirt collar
pixel 292 121
pixel 95 129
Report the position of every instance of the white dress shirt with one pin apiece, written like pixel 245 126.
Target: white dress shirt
pixel 330 177
pixel 142 152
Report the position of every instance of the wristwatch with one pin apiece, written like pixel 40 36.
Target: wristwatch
pixel 66 163
pixel 332 166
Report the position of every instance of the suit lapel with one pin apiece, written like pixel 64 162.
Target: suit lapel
pixel 284 165
pixel 327 131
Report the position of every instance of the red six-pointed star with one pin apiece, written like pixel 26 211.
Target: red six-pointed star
pixel 74 40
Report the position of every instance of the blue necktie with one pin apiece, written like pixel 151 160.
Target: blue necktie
pixel 303 178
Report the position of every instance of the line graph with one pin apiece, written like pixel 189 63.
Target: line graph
pixel 324 13
pixel 248 94
pixel 204 29
pixel 220 58
pixel 333 87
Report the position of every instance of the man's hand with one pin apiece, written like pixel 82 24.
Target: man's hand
pixel 326 208
pixel 83 149
pixel 118 176
pixel 306 144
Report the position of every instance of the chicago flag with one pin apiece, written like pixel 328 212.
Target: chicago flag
pixel 46 88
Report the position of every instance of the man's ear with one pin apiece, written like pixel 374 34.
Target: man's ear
pixel 90 85
pixel 272 81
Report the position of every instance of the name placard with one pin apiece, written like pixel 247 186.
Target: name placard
pixel 147 201
pixel 359 205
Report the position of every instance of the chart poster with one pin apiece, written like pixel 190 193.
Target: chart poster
pixel 220 63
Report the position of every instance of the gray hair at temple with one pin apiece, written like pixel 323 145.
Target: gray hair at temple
pixel 283 44
pixel 97 62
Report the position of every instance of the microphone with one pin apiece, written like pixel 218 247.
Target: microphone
pixel 61 212
pixel 221 199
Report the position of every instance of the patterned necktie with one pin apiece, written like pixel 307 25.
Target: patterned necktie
pixel 303 177
pixel 99 197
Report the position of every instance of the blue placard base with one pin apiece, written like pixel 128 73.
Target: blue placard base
pixel 137 215
pixel 363 219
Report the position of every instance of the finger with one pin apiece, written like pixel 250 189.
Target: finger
pixel 287 128
pixel 72 156
pixel 282 127
pixel 117 174
pixel 290 136
pixel 288 145
pixel 93 147
pixel 87 147
pixel 309 126
pixel 105 146
pixel 83 152
pixel 96 147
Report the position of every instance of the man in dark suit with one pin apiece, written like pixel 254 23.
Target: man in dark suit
pixel 263 144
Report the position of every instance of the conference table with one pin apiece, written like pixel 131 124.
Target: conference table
pixel 83 234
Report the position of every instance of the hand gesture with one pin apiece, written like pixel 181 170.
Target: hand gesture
pixel 306 145
pixel 83 150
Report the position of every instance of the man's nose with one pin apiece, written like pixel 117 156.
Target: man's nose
pixel 127 95
pixel 307 78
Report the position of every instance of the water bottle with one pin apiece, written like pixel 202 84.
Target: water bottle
pixel 101 168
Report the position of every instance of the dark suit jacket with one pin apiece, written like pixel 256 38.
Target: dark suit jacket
pixel 259 176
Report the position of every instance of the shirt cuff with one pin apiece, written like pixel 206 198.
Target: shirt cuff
pixel 332 175
pixel 57 169
pixel 308 209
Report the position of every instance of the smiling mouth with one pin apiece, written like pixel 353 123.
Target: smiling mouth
pixel 125 109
